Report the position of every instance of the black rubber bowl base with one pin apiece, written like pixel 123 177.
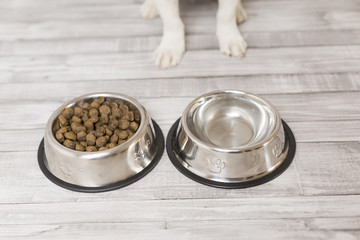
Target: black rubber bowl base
pixel 289 136
pixel 159 142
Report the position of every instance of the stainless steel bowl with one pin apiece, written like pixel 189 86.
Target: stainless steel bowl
pixel 103 170
pixel 228 138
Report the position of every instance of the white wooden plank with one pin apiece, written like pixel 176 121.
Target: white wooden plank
pixel 193 42
pixel 292 107
pixel 189 229
pixel 339 171
pixel 30 12
pixel 261 19
pixel 140 65
pixel 320 131
pixel 164 182
pixel 6 76
pixel 18 4
pixel 318 169
pixel 53 50
pixel 326 131
pixel 182 87
pixel 204 209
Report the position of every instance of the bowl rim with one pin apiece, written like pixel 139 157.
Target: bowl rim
pixel 98 154
pixel 212 146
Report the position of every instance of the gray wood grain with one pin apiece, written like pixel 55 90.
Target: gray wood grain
pixel 195 209
pixel 300 60
pixel 193 42
pixel 303 57
pixel 330 106
pixel 313 228
pixel 331 131
pixel 318 169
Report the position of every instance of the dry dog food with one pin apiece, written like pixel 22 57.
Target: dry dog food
pixel 96 125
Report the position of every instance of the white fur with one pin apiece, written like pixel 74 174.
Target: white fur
pixel 172 46
pixel 241 15
pixel 149 10
pixel 231 42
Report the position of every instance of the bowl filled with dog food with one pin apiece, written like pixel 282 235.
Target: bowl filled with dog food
pixel 230 139
pixel 99 142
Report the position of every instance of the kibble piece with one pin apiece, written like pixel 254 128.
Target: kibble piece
pixel 116 112
pixel 86 106
pixel 70 135
pixel 134 126
pixel 124 124
pixel 91 149
pixel 94 119
pixel 113 124
pixel 112 118
pixel 91 132
pixel 90 139
pixel 106 103
pixel 56 125
pixel 111 145
pixel 63 121
pixel 117 131
pixel 113 105
pixel 131 133
pixel 76 119
pixel 129 116
pixel 121 141
pixel 93 112
pixel 114 138
pixel 60 137
pixel 105 110
pixel 100 131
pixel 100 100
pixel 101 142
pixel 89 125
pixel 81 136
pixel 64 129
pixel 77 127
pixel 98 124
pixel 83 143
pixel 119 101
pixel 69 144
pixel 85 117
pixel 137 116
pixel 78 112
pixel 104 119
pixel 107 138
pixel 108 131
pixel 123 134
pixel 79 147
pixel 95 104
pixel 68 112
pixel 124 108
pixel 103 148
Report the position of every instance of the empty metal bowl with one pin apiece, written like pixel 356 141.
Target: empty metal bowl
pixel 230 139
pixel 103 170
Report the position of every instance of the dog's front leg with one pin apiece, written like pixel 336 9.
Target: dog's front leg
pixel 231 41
pixel 172 45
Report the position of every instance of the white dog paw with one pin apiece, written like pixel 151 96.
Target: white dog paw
pixel 241 15
pixel 166 57
pixel 232 44
pixel 149 10
pixel 169 53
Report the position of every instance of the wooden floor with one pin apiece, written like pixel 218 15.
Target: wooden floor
pixel 304 57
